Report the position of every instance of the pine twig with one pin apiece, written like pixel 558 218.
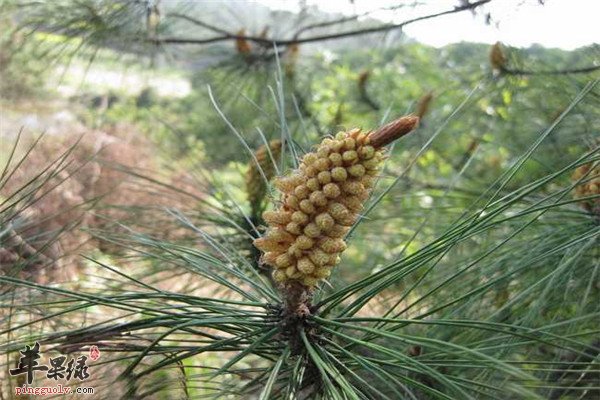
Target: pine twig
pixel 582 70
pixel 227 36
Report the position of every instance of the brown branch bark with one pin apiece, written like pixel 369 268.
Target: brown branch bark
pixel 325 24
pixel 200 23
pixel 226 36
pixel 583 70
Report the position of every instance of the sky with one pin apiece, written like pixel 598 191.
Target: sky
pixel 566 24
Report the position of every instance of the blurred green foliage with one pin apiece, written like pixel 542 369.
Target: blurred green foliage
pixel 22 71
pixel 511 107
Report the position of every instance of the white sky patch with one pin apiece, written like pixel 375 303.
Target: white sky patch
pixel 565 24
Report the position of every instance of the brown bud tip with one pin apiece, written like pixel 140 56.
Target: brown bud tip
pixel 362 78
pixel 497 57
pixel 394 130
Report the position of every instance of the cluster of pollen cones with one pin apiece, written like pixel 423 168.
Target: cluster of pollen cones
pixel 261 171
pixel 321 200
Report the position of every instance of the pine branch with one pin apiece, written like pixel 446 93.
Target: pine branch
pixel 227 36
pixel 200 23
pixel 583 70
